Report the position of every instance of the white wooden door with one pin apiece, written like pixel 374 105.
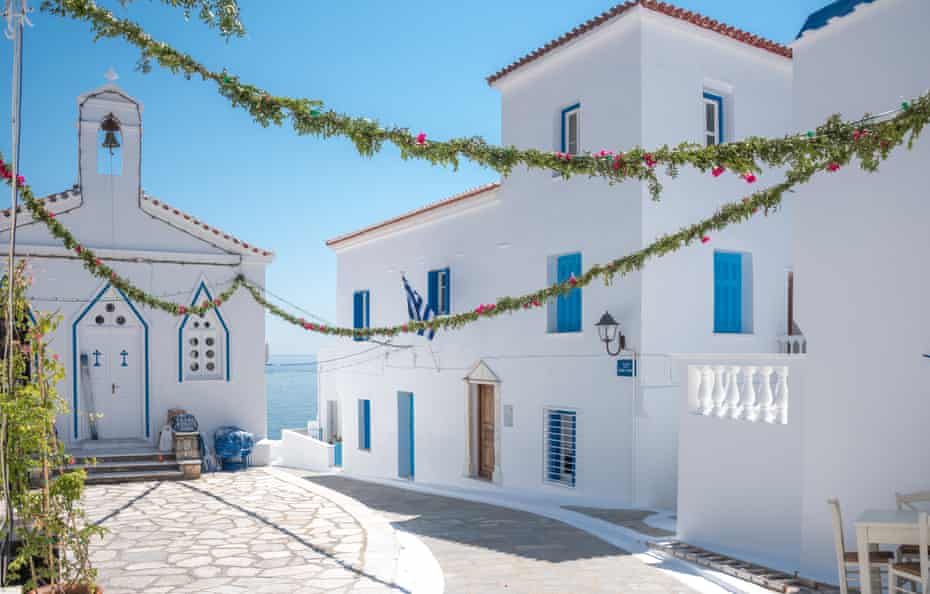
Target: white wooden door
pixel 115 360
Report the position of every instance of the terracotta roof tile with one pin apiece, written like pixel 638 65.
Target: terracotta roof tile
pixel 198 228
pixel 428 208
pixel 656 6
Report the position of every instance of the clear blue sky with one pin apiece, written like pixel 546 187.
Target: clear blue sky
pixel 419 64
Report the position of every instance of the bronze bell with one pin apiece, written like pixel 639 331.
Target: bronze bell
pixel 111 127
pixel 110 141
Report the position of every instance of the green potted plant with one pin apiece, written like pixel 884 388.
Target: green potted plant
pixel 52 529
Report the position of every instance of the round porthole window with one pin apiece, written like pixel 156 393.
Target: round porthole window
pixel 210 354
pixel 120 320
pixel 211 366
pixel 99 320
pixel 194 342
pixel 196 324
pixel 195 366
pixel 209 341
pixel 195 354
pixel 111 307
pixel 206 324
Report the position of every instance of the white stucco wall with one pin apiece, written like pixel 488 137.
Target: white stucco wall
pixel 626 442
pixel 159 259
pixel 857 428
pixel 861 244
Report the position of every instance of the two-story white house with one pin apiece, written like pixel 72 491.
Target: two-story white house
pixel 532 402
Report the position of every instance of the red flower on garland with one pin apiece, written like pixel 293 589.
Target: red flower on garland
pixel 77 249
pixel 182 310
pixel 536 303
pixel 97 262
pixel 480 309
pixel 5 172
pixel 421 138
pixel 306 326
pixel 405 328
pixel 705 239
pixel 491 307
pixel 618 161
pixel 717 171
pixel 217 301
pixel 205 304
pixel 322 328
pixel 313 327
pixel 20 180
pixel 71 461
pixel 650 161
pixel 750 177
pixel 50 214
pixel 572 280
pixel 833 167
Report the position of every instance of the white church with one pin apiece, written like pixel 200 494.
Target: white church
pixel 128 364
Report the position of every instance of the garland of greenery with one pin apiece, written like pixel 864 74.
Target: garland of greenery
pixel 870 144
pixel 307 116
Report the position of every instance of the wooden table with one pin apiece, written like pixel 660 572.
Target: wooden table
pixel 882 526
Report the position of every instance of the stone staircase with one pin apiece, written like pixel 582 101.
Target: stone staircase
pixel 124 462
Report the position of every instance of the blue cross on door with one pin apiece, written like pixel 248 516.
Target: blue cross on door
pixel 96 355
pixel 124 354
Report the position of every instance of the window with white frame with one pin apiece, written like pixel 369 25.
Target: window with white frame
pixel 560 433
pixel 713 119
pixel 571 130
pixel 438 291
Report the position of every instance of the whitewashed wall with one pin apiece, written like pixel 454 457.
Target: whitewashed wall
pixel 739 481
pixel 501 249
pixel 861 248
pixel 857 427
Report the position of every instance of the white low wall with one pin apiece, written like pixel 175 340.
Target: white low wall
pixel 296 450
pixel 740 481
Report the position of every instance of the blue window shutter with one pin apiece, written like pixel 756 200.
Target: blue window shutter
pixel 367 322
pixel 568 306
pixel 728 292
pixel 448 304
pixel 366 424
pixel 359 311
pixel 432 290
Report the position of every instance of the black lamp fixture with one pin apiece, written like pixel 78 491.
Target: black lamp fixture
pixel 110 126
pixel 609 330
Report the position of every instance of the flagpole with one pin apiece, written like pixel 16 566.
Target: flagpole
pixel 14 31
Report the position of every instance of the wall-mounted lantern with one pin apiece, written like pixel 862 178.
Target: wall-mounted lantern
pixel 609 331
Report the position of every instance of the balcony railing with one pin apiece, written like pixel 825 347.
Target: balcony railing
pixel 792 344
pixel 755 392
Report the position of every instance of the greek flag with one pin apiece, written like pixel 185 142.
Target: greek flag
pixel 418 309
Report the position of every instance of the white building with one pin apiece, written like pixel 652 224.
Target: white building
pixel 126 361
pixel 857 422
pixel 541 409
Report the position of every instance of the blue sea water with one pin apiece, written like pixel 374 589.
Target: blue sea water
pixel 290 384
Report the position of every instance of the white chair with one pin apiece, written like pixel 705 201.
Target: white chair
pixel 914 573
pixel 848 561
pixel 910 501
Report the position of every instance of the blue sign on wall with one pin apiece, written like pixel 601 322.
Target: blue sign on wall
pixel 626 367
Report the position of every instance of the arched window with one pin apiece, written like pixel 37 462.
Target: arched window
pixel 109 147
pixel 203 343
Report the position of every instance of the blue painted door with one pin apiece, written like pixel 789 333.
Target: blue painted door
pixel 728 292
pixel 405 435
pixel 337 454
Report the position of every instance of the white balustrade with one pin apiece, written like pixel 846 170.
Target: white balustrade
pixel 753 393
pixel 792 344
pixel 720 395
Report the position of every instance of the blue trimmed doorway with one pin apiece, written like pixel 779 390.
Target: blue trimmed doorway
pixel 405 435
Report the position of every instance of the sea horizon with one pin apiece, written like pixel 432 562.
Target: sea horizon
pixel 290 386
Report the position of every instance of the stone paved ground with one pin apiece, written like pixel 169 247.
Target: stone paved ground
pixel 628 518
pixel 243 533
pixel 483 548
